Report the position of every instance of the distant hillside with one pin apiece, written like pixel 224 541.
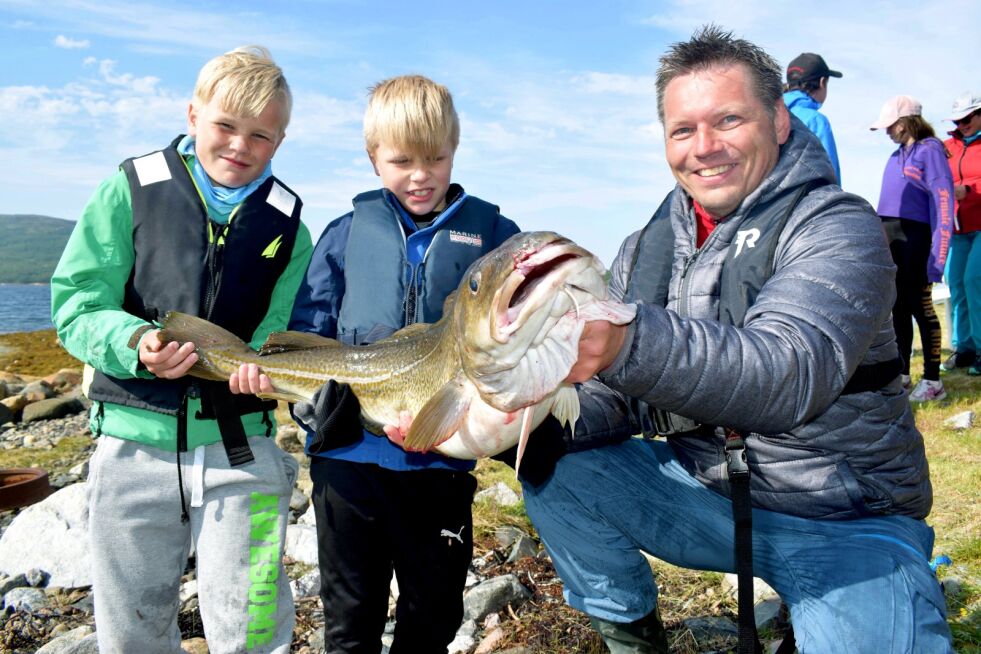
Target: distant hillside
pixel 30 247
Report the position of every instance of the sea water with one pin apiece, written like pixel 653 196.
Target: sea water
pixel 24 307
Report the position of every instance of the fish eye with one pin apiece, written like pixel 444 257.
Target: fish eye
pixel 474 282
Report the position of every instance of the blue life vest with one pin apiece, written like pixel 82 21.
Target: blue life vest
pixel 384 291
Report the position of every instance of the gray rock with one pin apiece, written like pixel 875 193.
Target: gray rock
pixel 51 535
pixel 301 543
pixel 25 599
pixel 37 578
pixel 308 517
pixel 306 586
pixel 88 645
pixel 492 596
pixel 188 590
pixel 952 586
pixel 499 493
pixel 960 421
pixel 761 591
pixel 9 583
pixel 57 407
pixel 290 439
pixel 526 546
pixel 465 638
pixel 711 627
pixel 85 605
pixel 299 501
pixel 40 387
pixel 506 535
pixel 81 471
pixel 66 642
pixel 316 640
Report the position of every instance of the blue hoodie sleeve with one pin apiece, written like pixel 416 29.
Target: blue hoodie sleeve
pixel 318 300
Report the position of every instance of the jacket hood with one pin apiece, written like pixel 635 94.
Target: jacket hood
pixel 802 159
pixel 798 98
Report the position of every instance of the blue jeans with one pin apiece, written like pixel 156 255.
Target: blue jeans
pixel 964 280
pixel 861 585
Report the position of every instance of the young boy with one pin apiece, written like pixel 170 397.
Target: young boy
pixel 201 227
pixel 390 263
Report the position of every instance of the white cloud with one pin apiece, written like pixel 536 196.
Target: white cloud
pixel 62 41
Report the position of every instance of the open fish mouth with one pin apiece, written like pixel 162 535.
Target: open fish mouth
pixel 536 276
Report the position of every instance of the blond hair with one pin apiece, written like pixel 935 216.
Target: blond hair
pixel 246 80
pixel 411 113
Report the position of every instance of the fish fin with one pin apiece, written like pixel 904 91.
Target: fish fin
pixel 440 417
pixel 206 336
pixel 278 342
pixel 566 406
pixel 408 332
pixel 523 437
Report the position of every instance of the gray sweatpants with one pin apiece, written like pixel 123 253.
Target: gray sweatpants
pixel 140 546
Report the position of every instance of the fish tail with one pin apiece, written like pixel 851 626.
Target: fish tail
pixel 209 340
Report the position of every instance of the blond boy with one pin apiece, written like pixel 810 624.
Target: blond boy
pixel 202 227
pixel 387 264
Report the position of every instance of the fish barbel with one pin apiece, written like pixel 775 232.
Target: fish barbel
pixel 508 337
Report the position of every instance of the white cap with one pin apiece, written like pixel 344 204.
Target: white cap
pixel 965 105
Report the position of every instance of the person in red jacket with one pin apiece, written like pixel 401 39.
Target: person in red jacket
pixel 964 258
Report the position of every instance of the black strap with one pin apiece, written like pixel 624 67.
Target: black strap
pixel 742 516
pixel 217 398
pixel 182 447
pixel 873 376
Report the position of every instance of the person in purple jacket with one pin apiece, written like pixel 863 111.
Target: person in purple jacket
pixel 916 205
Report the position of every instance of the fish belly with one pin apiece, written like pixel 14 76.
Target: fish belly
pixel 487 431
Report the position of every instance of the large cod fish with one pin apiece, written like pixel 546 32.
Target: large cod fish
pixel 508 337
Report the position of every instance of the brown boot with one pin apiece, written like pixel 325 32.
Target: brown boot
pixel 644 636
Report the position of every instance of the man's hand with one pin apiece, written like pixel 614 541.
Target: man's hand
pixel 960 190
pixel 599 345
pixel 167 361
pixel 249 380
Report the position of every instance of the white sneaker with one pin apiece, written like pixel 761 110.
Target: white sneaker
pixel 907 382
pixel 928 391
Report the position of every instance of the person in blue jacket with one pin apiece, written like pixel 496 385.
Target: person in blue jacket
pixel 806 90
pixel 387 264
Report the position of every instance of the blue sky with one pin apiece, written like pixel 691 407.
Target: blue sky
pixel 556 99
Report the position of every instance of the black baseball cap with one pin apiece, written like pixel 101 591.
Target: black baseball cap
pixel 808 66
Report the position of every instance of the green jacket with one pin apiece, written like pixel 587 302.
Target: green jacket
pixel 87 294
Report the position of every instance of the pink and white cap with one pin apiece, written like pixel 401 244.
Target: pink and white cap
pixel 896 108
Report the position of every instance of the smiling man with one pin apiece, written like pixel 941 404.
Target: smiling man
pixel 764 354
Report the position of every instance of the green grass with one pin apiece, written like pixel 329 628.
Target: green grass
pixel 955 469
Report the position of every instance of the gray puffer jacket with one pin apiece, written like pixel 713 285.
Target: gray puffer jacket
pixel 813 452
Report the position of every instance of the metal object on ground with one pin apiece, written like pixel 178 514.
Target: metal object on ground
pixel 22 486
